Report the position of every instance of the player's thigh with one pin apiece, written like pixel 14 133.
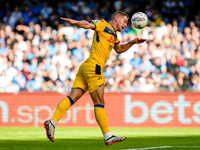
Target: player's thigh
pixel 76 93
pixel 80 81
pixel 93 75
pixel 98 95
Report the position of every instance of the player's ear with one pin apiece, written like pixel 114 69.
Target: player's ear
pixel 117 19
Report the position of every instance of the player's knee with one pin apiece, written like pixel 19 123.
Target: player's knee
pixel 75 94
pixel 99 101
pixel 73 97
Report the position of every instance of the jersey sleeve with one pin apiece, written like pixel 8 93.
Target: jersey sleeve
pixel 117 41
pixel 99 25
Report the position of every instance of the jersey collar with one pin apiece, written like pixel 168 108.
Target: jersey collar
pixel 113 27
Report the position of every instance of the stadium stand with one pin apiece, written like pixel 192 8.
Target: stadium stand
pixel 39 52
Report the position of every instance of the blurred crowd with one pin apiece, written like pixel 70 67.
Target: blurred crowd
pixel 39 52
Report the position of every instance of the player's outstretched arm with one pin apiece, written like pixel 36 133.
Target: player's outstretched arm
pixel 119 48
pixel 82 24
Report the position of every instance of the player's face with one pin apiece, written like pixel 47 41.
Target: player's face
pixel 122 23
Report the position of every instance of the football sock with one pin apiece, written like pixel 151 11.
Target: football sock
pixel 53 123
pixel 62 108
pixel 101 118
pixel 107 135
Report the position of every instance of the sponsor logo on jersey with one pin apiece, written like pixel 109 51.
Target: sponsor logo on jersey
pixel 96 21
pixel 111 40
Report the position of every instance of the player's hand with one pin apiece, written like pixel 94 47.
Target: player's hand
pixel 68 20
pixel 139 40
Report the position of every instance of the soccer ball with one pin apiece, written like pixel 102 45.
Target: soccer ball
pixel 139 20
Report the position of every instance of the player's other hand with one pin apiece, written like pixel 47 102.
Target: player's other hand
pixel 68 20
pixel 139 40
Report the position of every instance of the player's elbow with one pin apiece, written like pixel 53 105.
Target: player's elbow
pixel 118 51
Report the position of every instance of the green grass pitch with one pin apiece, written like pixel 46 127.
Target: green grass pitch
pixel 27 138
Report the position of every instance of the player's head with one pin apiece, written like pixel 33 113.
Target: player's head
pixel 120 19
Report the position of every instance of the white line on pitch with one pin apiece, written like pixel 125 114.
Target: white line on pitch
pixel 160 147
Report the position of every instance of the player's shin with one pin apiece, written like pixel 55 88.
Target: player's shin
pixel 61 109
pixel 101 118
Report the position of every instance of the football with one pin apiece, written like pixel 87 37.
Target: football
pixel 139 20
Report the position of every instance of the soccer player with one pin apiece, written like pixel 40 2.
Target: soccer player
pixel 90 74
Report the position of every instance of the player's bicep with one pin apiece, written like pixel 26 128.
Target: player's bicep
pixel 91 26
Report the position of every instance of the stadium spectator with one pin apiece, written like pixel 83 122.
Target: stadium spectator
pixel 182 82
pixel 173 68
pixel 185 68
pixel 14 17
pixel 5 83
pixel 20 81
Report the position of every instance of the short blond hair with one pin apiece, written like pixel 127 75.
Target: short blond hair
pixel 121 13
